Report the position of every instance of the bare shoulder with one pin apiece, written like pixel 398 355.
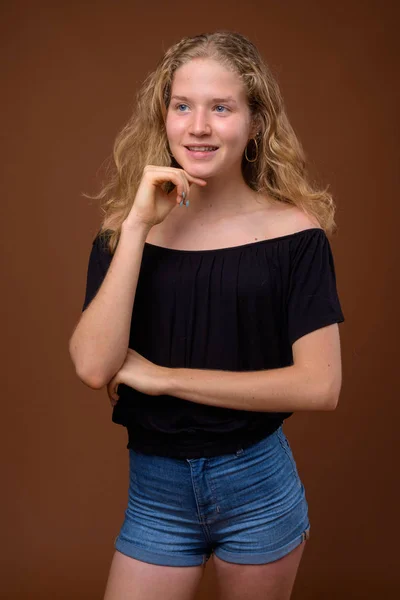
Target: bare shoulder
pixel 291 219
pixel 301 220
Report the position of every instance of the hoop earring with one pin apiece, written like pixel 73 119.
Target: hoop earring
pixel 245 152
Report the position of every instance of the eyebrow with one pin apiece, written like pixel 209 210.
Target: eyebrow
pixel 185 99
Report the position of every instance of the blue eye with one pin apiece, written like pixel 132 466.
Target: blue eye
pixel 182 108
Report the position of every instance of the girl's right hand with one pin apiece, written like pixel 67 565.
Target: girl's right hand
pixel 152 205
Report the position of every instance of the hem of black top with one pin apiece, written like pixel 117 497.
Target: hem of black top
pixel 169 447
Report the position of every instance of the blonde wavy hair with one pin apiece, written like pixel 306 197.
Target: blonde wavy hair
pixel 279 169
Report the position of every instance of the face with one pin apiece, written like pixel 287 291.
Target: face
pixel 208 121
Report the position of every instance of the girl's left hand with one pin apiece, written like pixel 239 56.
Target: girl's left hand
pixel 139 373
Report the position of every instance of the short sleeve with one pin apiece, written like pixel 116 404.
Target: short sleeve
pixel 313 300
pixel 99 262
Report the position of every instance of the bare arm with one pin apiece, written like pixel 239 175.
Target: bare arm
pixel 99 343
pixel 313 382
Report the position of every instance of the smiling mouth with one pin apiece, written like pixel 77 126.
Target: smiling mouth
pixel 201 148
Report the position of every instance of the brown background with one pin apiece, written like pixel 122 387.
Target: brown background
pixel 70 73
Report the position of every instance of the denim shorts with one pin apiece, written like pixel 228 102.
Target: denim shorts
pixel 248 507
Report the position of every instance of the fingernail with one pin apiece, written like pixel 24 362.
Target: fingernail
pixel 187 203
pixel 180 203
pixel 183 195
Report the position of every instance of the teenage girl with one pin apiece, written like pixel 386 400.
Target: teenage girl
pixel 211 314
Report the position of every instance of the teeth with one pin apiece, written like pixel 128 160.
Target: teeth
pixel 201 148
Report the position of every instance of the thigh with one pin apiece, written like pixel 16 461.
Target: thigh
pixel 272 581
pixel 132 579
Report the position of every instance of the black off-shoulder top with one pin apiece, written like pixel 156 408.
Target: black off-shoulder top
pixel 234 309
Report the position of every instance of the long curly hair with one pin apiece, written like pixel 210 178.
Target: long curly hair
pixel 280 166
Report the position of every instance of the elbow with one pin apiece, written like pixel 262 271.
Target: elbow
pixel 331 395
pixel 322 394
pixel 90 377
pixel 87 376
pixel 331 402
pixel 92 381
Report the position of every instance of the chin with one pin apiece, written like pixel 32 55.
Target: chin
pixel 201 171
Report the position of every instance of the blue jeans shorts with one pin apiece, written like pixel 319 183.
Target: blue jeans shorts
pixel 248 507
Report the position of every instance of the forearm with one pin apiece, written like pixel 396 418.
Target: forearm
pixel 99 343
pixel 287 389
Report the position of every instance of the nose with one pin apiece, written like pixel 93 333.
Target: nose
pixel 199 124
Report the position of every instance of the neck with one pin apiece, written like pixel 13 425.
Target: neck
pixel 221 197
